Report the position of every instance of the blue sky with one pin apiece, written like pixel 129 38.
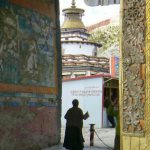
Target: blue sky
pixel 92 15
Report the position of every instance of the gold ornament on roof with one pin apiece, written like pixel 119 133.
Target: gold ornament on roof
pixel 73 4
pixel 73 17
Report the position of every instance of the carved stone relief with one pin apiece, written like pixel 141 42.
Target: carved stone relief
pixel 133 60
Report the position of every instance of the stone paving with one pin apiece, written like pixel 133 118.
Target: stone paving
pixel 105 134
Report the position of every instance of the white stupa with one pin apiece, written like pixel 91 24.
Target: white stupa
pixel 79 56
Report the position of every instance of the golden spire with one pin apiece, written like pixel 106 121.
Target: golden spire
pixel 73 17
pixel 73 4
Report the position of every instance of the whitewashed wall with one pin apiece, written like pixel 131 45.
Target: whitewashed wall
pixel 78 48
pixel 89 93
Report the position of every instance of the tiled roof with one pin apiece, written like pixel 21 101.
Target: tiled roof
pixel 98 25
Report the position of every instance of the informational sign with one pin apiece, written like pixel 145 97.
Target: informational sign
pixel 89 93
pixel 114 69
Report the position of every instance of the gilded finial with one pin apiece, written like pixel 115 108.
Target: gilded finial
pixel 73 3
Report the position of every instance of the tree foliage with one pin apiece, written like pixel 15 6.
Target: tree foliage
pixel 107 36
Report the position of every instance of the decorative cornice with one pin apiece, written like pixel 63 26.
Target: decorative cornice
pixel 82 42
pixel 85 61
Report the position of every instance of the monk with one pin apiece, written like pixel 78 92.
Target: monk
pixel 74 123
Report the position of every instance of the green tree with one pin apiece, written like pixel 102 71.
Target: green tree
pixel 107 36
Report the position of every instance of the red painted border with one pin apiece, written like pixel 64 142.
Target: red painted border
pixel 36 5
pixel 27 89
pixel 89 77
pixel 102 101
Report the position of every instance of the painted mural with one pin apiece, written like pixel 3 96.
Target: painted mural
pixel 29 74
pixel 26 46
